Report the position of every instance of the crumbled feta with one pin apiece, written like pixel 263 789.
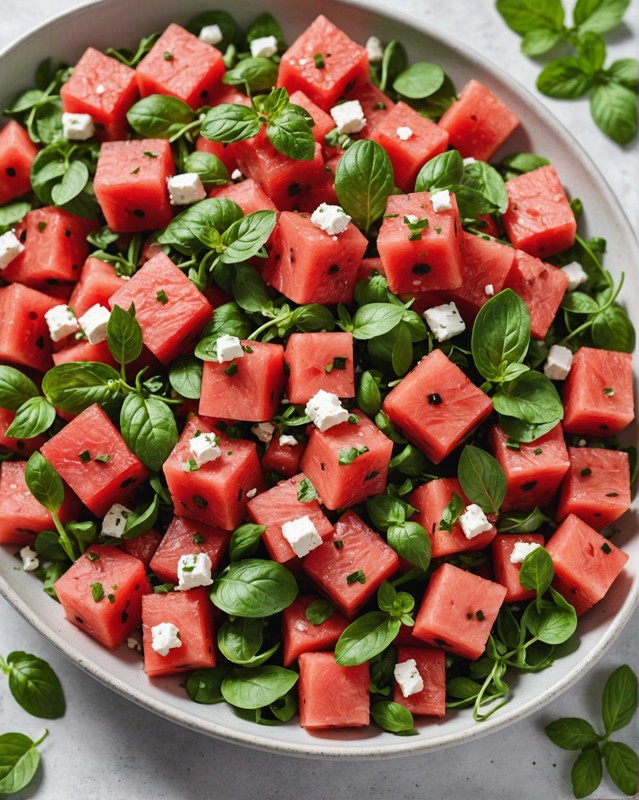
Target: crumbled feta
pixel 408 678
pixel 61 322
pixel 582 443
pixel 10 248
pixel 204 448
pixel 489 289
pixel 236 175
pixel 410 219
pixel 302 535
pixel 114 521
pixel 264 431
pixel 441 200
pixel 558 363
pixel 165 637
pixel 468 160
pixel 251 493
pixel 521 550
pixel 349 116
pixel 194 569
pixel 185 189
pixel 228 348
pixel 444 321
pixel 325 410
pixel 77 127
pixel 211 34
pixel 576 275
pixel 94 323
pixel 404 133
pixel 374 49
pixel 29 558
pixel 287 441
pixel 264 47
pixel 331 219
pixel 473 521
pixel 133 644
pixel 99 89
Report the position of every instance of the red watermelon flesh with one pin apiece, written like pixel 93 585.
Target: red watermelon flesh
pixel 183 537
pixel 225 152
pixel 323 121
pixel 24 334
pixel 332 696
pixel 283 459
pixel 247 194
pixel 541 286
pixel 301 636
pixel 505 571
pixel 84 351
pixel 319 361
pixel 17 153
pixel 142 547
pixel 375 105
pixel 431 665
pixel 98 281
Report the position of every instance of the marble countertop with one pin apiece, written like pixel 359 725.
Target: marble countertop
pixel 106 748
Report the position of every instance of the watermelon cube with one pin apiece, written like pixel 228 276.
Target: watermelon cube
pixel 17 153
pixel 192 614
pixel 431 260
pixel 436 406
pixel 458 611
pixel 283 459
pixel 586 563
pixel 319 361
pixel 247 194
pixel 247 388
pixel 142 547
pixel 323 122
pixel 345 64
pixel 170 310
pixel 539 219
pixel 101 593
pixel 505 571
pixel 301 636
pixel 431 665
pixel 98 484
pixel 478 123
pixel 24 334
pixel 23 447
pixel 596 487
pixel 130 184
pixel 332 696
pixel 85 351
pixel 216 492
pixel 183 537
pixel 534 470
pixel 351 565
pixel 97 282
pixel 348 462
pixel 541 286
pixel 225 152
pixel 375 105
pixel 104 88
pixel 598 393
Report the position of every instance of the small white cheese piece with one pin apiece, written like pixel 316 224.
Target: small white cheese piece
pixel 165 637
pixel 228 348
pixel 404 133
pixel 349 117
pixel 325 410
pixel 99 89
pixel 10 248
pixel 61 321
pixel 468 160
pixel 441 200
pixel 331 219
pixel 521 550
pixel 287 441
pixel 558 363
pixel 133 644
pixel 94 323
pixel 489 289
pixel 576 275
pixel 408 678
pixel 194 569
pixel 410 219
pixel 251 493
pixel 204 448
pixel 77 127
pixel 29 558
pixel 236 175
pixel 185 188
pixel 582 443
pixel 473 521
pixel 444 321
pixel 374 49
pixel 264 431
pixel 211 34
pixel 302 535
pixel 264 47
pixel 114 521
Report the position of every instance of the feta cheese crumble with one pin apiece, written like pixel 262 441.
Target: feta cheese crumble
pixel 77 127
pixel 374 49
pixel 185 188
pixel 521 550
pixel 348 117
pixel 165 637
pixel 410 219
pixel 330 219
pixel 441 201
pixel 264 431
pixel 576 275
pixel 473 521
pixel 114 521
pixel 94 323
pixel 61 322
pixel 194 569
pixel 489 289
pixel 325 410
pixel 211 34
pixel 468 160
pixel 264 47
pixel 251 493
pixel 408 678
pixel 228 348
pixel 29 558
pixel 404 133
pixel 133 644
pixel 302 535
pixel 10 248
pixel 287 441
pixel 236 175
pixel 444 321
pixel 204 448
pixel 558 363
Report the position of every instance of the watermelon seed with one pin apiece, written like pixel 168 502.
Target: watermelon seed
pixel 39 343
pixel 137 212
pixel 200 502
pixel 294 189
pixel 168 56
pixel 606 548
pixel 527 487
pixel 41 226
pixel 338 544
pixel 67 233
pixel 124 616
pixel 585 472
pixel 480 615
pixel 333 270
pixel 11 172
pixel 371 475
pixel 421 269
pixel 434 399
pixel 127 482
pixel 612 494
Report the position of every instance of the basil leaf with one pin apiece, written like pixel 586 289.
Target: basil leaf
pixel 35 686
pixel 246 237
pixel 211 170
pixel 410 540
pixel 313 317
pixel 451 513
pixel 564 78
pixel 376 319
pixel 44 483
pixel 599 16
pixel 419 80
pixel 230 122
pixel 440 172
pixel 571 733
pixel 205 685
pixel 409 461
pixel 193 227
pixel 19 761
pixel 255 74
pixel 142 520
pixel 48 121
pixel 522 16
pixel 524 162
pixel 47 169
pixel 619 701
pixel 124 336
pixel 364 180
pixel 586 773
pixel 15 388
pixel 550 623
pixel 254 688
pixel 520 431
pixel 392 716
pixel 592 48
pixel 483 179
pixel 290 133
pixel 385 511
pixel 625 71
pixel 34 417
pixel 531 397
pixel 319 611
pixel 73 182
pixel 501 334
pixel 365 638
pixel 614 109
pixel 245 540
pixel 148 428
pixel 159 116
pixel 537 571
pixel 394 61
pixel 48 547
pixel 482 479
pixel 14 212
pixel 580 303
pixel 622 765
pixel 240 641
pixel 402 352
pixel 369 398
pixel 539 41
pixel 306 492
pixel 185 377
pixel 522 521
pixel 73 387
pixel 229 319
pixel 254 588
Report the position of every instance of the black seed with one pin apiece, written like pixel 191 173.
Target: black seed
pixel 127 482
pixel 526 487
pixel 239 496
pixel 434 399
pixel 200 502
pixel 39 343
pixel 349 85
pixel 137 212
pixel 612 494
pixel 11 172
pixel 67 233
pixel 294 188
pixel 23 236
pixel 124 617
pixel 371 475
pixel 585 472
pixel 421 269
pixel 333 270
pixel 441 642
pixel 323 467
pixel 204 93
pixel 33 315
pixel 79 619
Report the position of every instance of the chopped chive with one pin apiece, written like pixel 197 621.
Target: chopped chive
pixel 372 475
pixel 353 419
pixel 135 171
pixel 93 556
pixel 318 58
pixel 161 297
pixel 356 577
pixel 103 458
pixel 231 370
pixel 609 391
pixel 190 466
pixel 111 598
pixel 85 456
pixel 338 544
pixel 150 154
pixel 538 451
pixel 198 538
pixel 606 548
pixel 168 56
pixel 97 591
pixel 379 106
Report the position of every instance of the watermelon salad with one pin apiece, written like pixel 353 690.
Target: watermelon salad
pixel 310 388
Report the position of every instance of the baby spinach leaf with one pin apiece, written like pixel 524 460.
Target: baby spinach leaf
pixel 240 640
pixel 205 685
pixel 254 688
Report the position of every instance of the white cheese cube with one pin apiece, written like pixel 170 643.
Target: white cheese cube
pixel 251 493
pixel 302 535
pixel 576 275
pixel 349 116
pixel 473 521
pixel 94 323
pixel 264 431
pixel 521 550
pixel 374 49
pixel 228 348
pixel 444 321
pixel 114 521
pixel 165 637
pixel 489 289
pixel 185 189
pixel 408 678
pixel 287 441
pixel 61 321
pixel 29 558
pixel 325 410
pixel 404 133
pixel 468 160
pixel 194 569
pixel 204 448
pixel 264 47
pixel 10 248
pixel 441 200
pixel 236 175
pixel 211 34
pixel 558 363
pixel 331 219
pixel 77 127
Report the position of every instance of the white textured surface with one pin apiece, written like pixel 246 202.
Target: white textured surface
pixel 108 749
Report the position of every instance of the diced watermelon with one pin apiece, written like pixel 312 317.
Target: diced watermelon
pixel 17 153
pixel 109 618
pixel 142 547
pixel 505 571
pixel 183 537
pixel 84 351
pixel 431 665
pixel 23 447
pixel 323 121
pixel 448 616
pixel 225 152
pixel 332 696
pixel 319 361
pixel 301 636
pixel 98 281
pixel 375 105
pixel 284 459
pixel 24 334
pixel 247 194
pixel 541 286
pixel 370 267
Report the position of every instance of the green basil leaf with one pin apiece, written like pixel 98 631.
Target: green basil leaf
pixel 625 71
pixel 185 377
pixel 73 387
pixel 211 170
pixel 365 638
pixel 392 716
pixel 614 109
pixel 230 319
pixel 205 685
pixel 520 431
pixel 73 182
pixel 376 319
pixel 592 48
pixel 148 428
pixel 524 162
pixel 124 336
pixel 451 513
pixel 599 16
pixel 48 547
pixel 47 169
pixel 35 686
pixel 402 352
pixel 254 588
pixel 622 764
pixel 619 701
pixel 612 329
pixel 484 180
pixel 586 773
pixel 142 520
pixel 364 180
pixel 564 78
pixel 15 388
pixel 25 101
pixel 246 237
pixel 539 41
pixel 48 121
pixel 501 334
pixel 19 761
pixel 531 397
pixel 394 62
pixel 482 479
pixel 193 227
pixel 159 116
pixel 44 483
pixel 522 16
pixel 410 540
pixel 463 688
pixel 230 122
pixel 306 492
pixel 290 133
pixel 571 733
pixel 409 461
pixel 550 623
pixel 313 317
pixel 385 511
pixel 319 611
pixel 13 212
pixel 256 74
pixel 35 416
pixel 522 521
pixel 245 540
pixel 240 641
pixel 369 398
pixel 419 80
pixel 254 688
pixel 537 571
pixel 440 172
pixel 580 303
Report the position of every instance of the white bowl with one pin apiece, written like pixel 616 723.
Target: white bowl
pixel 122 23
